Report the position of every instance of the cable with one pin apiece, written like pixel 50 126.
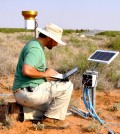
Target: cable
pixel 111 123
pixel 90 81
pixel 89 107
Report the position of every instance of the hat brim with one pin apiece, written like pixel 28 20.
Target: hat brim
pixel 60 42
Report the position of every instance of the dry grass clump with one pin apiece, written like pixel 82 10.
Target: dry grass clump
pixel 115 107
pixel 9 52
pixel 93 126
pixel 10 48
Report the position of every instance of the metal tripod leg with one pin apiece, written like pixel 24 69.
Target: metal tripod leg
pixel 93 99
pixel 79 112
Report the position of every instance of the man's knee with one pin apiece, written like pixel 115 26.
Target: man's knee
pixel 69 86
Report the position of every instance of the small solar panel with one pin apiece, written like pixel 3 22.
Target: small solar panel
pixel 103 56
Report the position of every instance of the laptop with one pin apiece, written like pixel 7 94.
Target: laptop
pixel 66 75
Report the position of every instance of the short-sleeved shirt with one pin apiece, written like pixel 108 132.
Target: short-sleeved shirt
pixel 33 55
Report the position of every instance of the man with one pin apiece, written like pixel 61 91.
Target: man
pixel 31 88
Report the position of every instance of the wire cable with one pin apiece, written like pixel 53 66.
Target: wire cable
pixel 91 110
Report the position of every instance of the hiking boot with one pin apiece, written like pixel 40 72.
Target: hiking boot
pixel 54 123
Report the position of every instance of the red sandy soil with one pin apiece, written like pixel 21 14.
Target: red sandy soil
pixel 105 101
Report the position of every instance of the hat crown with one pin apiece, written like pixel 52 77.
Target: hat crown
pixel 54 30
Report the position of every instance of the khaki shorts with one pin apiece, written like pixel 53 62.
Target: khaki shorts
pixel 50 98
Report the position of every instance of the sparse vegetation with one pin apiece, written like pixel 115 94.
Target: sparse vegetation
pixel 115 107
pixel 38 126
pixel 6 124
pixel 114 43
pixel 24 37
pixel 93 126
pixel 13 30
pixel 110 33
pixel 2 101
pixel 70 31
pixel 63 58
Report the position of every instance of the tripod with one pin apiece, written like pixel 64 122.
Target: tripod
pixel 89 81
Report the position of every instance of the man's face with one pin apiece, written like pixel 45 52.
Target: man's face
pixel 51 43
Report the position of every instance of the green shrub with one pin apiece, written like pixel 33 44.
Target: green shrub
pixel 24 37
pixel 13 30
pixel 75 40
pixel 68 31
pixel 113 77
pixel 114 43
pixel 110 33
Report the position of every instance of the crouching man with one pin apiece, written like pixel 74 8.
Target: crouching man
pixel 31 89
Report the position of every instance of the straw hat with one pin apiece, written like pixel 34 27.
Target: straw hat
pixel 53 31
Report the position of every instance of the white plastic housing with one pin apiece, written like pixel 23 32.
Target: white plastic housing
pixel 30 24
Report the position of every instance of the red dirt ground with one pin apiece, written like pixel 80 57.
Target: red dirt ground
pixel 105 107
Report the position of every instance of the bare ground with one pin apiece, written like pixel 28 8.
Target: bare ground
pixel 105 107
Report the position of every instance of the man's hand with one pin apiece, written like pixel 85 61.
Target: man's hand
pixel 50 72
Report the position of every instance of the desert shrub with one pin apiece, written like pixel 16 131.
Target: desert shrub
pixel 24 37
pixel 109 75
pixel 115 107
pixel 68 31
pixel 2 101
pixel 114 43
pixel 13 30
pixel 80 61
pixel 60 58
pixel 113 77
pixel 75 40
pixel 93 126
pixel 38 126
pixel 9 52
pixel 7 65
pixel 110 33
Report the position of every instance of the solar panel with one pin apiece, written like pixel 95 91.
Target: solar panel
pixel 103 56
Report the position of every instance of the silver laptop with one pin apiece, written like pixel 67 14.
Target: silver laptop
pixel 66 75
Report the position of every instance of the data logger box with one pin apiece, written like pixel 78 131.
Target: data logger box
pixel 89 78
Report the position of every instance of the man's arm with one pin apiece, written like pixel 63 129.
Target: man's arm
pixel 32 72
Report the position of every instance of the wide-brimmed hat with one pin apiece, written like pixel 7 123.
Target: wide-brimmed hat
pixel 53 31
